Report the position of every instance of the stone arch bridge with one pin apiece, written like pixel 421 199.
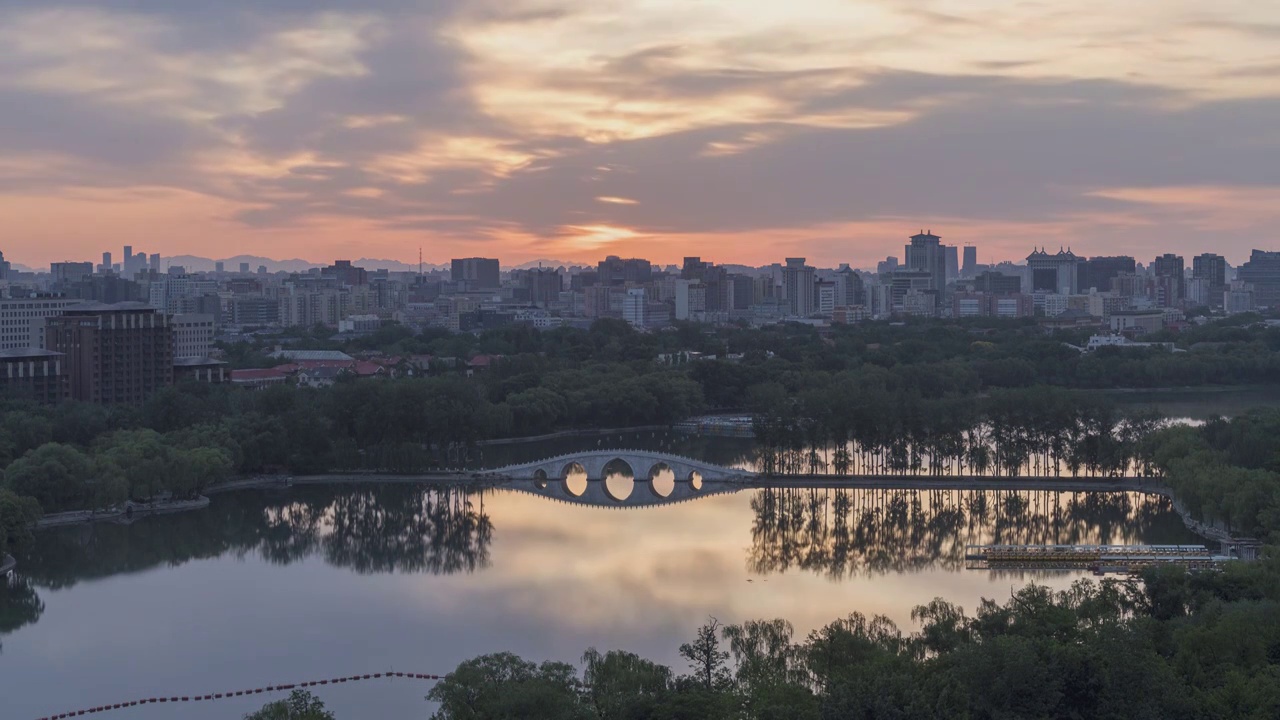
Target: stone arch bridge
pixel 560 478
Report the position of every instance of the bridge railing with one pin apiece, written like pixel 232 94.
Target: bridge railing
pixel 618 453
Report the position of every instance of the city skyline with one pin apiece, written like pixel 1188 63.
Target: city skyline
pixel 820 129
pixel 230 264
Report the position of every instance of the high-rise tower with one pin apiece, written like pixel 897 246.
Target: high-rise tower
pixel 926 254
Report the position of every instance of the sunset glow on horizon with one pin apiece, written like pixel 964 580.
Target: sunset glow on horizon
pixel 740 131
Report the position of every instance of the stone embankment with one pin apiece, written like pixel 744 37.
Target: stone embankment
pixel 128 511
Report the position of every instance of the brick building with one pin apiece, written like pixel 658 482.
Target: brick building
pixel 34 374
pixel 119 353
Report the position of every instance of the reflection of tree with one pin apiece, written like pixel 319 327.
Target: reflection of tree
pixel 19 604
pixel 368 529
pixel 394 528
pixel 440 533
pixel 849 532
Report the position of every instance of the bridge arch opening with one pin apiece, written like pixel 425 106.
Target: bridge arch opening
pixel 695 480
pixel 662 480
pixel 619 479
pixel 574 479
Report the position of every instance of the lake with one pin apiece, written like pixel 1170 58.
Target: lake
pixel 268 587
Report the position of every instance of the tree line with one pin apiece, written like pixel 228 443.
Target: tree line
pixel 1226 471
pixel 979 397
pixel 988 352
pixel 856 423
pixel 1175 645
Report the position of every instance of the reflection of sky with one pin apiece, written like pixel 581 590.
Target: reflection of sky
pixel 562 579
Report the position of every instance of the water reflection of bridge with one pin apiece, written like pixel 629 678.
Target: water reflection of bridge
pixel 642 478
pixel 620 478
pixel 425 524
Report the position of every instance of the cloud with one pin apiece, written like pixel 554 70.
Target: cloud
pixel 532 124
pixel 978 147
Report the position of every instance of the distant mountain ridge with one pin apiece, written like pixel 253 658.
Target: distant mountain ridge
pixel 196 263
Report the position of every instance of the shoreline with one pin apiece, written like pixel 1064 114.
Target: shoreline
pixel 1189 389
pixel 583 432
pixel 1209 531
pixel 131 512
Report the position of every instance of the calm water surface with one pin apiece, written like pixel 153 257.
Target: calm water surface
pixel 268 587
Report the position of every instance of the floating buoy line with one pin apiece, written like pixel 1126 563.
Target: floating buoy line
pixel 238 693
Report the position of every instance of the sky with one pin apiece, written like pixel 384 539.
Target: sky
pixel 743 131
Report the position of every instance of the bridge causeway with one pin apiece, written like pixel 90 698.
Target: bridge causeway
pixel 550 478
pixel 642 464
pixel 1016 483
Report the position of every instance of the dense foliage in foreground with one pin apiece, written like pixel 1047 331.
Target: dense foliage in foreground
pixel 300 705
pixel 1175 646
pixel 1226 471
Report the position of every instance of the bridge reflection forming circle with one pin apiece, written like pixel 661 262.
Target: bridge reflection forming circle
pixel 574 479
pixel 610 478
pixel 619 480
pixel 662 480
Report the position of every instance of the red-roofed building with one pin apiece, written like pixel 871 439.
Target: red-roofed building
pixel 368 368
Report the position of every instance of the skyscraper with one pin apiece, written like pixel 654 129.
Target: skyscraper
pixel 1056 274
pixel 155 262
pixel 850 290
pixel 614 270
pixel 634 305
pixel 690 300
pixel 1262 271
pixel 1097 272
pixel 1212 269
pixel 952 255
pixel 105 267
pixel 797 285
pixel 970 267
pixel 544 285
pixel 1170 265
pixel 65 273
pixel 347 274
pixel 925 254
pixel 478 273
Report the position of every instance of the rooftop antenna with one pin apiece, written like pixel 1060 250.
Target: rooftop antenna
pixel 419 262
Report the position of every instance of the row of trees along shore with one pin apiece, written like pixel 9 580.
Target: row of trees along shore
pixel 78 456
pixel 930 397
pixel 849 426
